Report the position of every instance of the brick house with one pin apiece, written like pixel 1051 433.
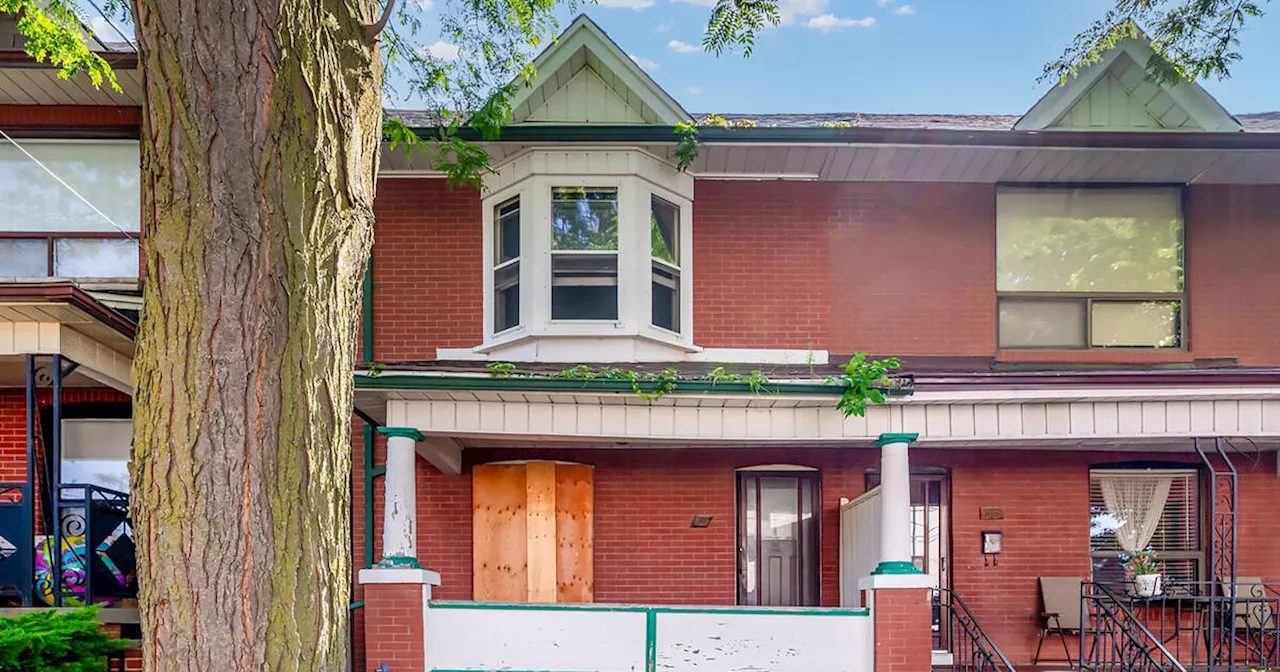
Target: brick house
pixel 1082 297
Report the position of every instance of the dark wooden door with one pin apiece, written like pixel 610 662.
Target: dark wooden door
pixel 778 538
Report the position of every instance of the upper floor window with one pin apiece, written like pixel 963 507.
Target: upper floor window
pixel 1089 268
pixel 588 244
pixel 49 229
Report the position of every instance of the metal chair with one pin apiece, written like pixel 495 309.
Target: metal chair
pixel 1060 596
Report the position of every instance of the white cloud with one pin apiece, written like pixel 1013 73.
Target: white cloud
pixel 905 9
pixel 830 22
pixel 424 5
pixel 683 47
pixel 700 3
pixel 883 3
pixel 443 50
pixel 636 5
pixel 693 90
pixel 791 10
pixel 644 63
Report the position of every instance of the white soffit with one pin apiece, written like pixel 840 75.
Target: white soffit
pixel 1116 95
pixel 585 78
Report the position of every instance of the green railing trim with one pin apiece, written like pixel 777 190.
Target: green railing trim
pixel 378 471
pixel 897 567
pixel 355 605
pixel 656 609
pixel 651 641
pixel 895 437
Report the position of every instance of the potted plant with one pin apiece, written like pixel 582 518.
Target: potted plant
pixel 1143 569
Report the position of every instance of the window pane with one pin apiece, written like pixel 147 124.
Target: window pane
pixel 1136 323
pixel 1041 323
pixel 666 297
pixel 584 287
pixel 584 219
pixel 95 258
pixel 506 295
pixel 664 231
pixel 104 173
pixel 507 232
pixel 1088 240
pixel 22 258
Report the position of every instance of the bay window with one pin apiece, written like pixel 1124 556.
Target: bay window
pixel 1089 268
pixel 49 229
pixel 591 248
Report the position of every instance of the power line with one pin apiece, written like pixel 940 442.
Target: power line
pixel 127 234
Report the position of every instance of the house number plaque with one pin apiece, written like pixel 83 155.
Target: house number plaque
pixel 990 513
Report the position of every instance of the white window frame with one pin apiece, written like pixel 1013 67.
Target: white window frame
pixel 637 176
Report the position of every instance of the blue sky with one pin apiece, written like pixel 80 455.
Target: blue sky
pixel 894 56
pixel 886 56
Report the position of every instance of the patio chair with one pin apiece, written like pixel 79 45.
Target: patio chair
pixel 1061 616
pixel 1255 618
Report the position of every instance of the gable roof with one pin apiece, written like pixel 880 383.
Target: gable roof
pixel 1116 94
pixel 584 77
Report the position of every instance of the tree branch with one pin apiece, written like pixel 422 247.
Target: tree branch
pixel 372 31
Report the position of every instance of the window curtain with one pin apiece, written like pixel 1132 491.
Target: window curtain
pixel 1136 502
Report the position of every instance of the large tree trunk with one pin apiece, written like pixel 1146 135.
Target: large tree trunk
pixel 259 148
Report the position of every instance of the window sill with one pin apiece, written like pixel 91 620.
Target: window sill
pixel 602 344
pixel 1098 356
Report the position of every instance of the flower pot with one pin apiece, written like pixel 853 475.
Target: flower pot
pixel 1147 585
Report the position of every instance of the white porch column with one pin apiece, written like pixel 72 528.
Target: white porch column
pixel 400 502
pixel 895 505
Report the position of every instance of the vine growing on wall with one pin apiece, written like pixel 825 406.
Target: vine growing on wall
pixel 687 144
pixel 862 381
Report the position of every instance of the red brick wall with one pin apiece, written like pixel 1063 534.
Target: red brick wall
pixel 396 631
pixel 903 630
pixel 428 288
pixel 645 550
pixel 13 427
pixel 836 266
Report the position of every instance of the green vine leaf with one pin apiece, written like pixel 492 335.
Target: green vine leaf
pixel 687 146
pixel 864 382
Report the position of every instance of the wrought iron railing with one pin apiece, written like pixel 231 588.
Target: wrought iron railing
pixel 1211 625
pixel 1114 639
pixel 98 561
pixel 971 648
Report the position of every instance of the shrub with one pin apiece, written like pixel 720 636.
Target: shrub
pixel 55 640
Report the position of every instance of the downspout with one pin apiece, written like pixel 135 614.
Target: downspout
pixel 367 438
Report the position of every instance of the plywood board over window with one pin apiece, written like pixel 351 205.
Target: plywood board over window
pixel 533 532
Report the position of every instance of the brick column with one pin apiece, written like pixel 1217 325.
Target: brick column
pixel 902 627
pixel 395 614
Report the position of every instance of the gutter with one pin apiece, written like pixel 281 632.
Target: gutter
pixel 878 136
pixel 365 381
pixel 63 292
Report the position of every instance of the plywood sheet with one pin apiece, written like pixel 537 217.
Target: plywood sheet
pixel 499 533
pixel 540 488
pixel 575 532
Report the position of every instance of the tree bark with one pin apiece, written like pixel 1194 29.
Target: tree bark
pixel 261 130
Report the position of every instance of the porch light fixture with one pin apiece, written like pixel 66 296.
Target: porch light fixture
pixel 701 520
pixel 992 544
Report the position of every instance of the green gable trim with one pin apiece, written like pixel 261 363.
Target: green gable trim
pixel 897 567
pixel 404 432
pixel 888 438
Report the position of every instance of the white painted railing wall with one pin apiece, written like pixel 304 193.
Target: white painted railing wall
pixel 467 636
pixel 859 543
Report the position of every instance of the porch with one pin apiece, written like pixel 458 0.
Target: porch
pixel 673 523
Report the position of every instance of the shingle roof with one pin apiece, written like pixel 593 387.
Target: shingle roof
pixel 1264 122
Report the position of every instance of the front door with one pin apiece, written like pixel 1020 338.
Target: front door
pixel 778 538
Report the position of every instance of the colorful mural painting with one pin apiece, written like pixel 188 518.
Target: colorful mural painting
pixel 73 569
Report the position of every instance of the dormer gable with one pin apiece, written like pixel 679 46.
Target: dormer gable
pixel 1116 94
pixel 585 78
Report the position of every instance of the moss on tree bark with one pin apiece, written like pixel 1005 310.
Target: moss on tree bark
pixel 261 130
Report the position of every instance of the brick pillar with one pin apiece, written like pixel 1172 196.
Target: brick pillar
pixel 902 625
pixel 395 614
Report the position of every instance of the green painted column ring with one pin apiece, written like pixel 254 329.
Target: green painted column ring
pixel 405 432
pixel 896 567
pixel 888 438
